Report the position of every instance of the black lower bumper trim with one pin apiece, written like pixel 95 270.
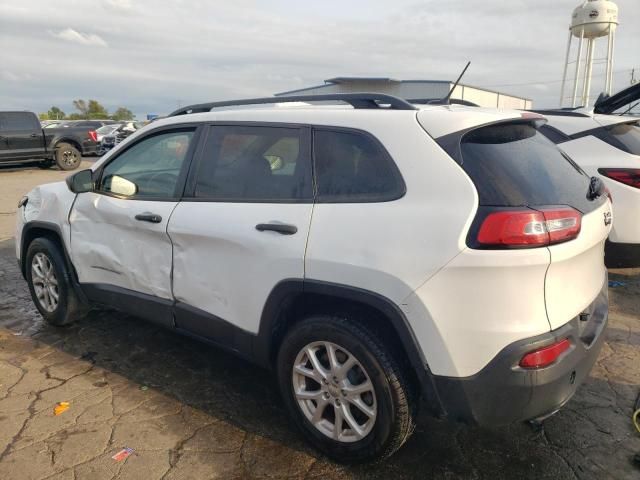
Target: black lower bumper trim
pixel 504 393
pixel 622 255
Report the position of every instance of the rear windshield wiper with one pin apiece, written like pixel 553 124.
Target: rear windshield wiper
pixel 596 188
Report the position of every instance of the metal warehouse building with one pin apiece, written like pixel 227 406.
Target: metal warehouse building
pixel 416 89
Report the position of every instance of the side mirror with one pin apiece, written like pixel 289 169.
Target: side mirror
pixel 81 181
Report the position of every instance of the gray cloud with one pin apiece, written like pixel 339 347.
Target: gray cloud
pixel 151 55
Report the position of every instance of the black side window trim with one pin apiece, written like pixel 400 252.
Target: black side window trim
pixel 400 186
pixel 305 147
pixel 196 128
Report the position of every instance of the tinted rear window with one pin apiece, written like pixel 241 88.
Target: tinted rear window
pixel 625 136
pixel 515 165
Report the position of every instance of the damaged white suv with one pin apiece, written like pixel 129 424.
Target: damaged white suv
pixel 370 254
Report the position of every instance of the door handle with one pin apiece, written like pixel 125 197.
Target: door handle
pixel 148 217
pixel 34 135
pixel 281 228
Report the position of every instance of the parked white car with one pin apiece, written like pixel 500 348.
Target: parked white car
pixel 370 256
pixel 609 146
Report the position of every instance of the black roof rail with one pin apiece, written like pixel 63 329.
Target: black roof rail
pixel 441 101
pixel 356 100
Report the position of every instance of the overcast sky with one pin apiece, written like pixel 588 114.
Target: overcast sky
pixel 152 55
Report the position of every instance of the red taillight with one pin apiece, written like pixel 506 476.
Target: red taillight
pixel 628 176
pixel 521 228
pixel 93 135
pixel 545 356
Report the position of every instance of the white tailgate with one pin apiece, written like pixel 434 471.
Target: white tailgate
pixel 577 272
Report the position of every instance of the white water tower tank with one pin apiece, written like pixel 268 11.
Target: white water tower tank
pixel 594 18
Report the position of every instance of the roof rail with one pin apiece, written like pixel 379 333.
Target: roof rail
pixel 356 100
pixel 440 101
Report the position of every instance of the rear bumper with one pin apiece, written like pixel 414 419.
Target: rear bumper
pixel 622 255
pixel 503 393
pixel 89 147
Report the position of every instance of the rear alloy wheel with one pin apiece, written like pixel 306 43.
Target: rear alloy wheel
pixel 68 157
pixel 345 389
pixel 334 391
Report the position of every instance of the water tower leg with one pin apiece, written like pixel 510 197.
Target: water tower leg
pixel 587 73
pixel 578 61
pixel 612 40
pixel 607 83
pixel 566 65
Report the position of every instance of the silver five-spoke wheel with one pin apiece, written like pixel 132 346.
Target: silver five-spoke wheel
pixel 45 282
pixel 334 392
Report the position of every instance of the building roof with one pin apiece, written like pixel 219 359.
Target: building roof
pixel 393 81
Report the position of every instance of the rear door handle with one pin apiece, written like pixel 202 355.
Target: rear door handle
pixel 281 228
pixel 34 135
pixel 148 217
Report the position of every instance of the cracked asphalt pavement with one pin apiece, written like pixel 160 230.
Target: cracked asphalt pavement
pixel 190 411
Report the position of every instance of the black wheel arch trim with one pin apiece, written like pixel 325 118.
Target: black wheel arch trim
pixel 55 230
pixel 264 347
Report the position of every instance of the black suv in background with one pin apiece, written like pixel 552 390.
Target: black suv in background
pixel 22 139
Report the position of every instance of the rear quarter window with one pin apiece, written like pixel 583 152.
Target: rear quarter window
pixel 515 165
pixel 352 166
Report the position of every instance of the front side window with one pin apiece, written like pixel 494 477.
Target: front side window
pixel 254 164
pixel 150 168
pixel 353 167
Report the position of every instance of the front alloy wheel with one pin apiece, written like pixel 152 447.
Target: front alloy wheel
pixel 45 282
pixel 334 391
pixel 49 282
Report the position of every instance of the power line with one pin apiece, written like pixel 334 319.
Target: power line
pixel 547 82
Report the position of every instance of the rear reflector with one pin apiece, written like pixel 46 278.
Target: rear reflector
pixel 522 228
pixel 628 176
pixel 545 356
pixel 93 135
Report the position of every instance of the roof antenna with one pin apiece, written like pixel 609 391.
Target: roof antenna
pixel 447 100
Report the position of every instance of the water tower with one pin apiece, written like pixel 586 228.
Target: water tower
pixel 591 20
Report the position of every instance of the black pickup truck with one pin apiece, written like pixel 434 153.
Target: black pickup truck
pixel 22 139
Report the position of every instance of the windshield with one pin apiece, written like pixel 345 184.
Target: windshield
pixel 107 129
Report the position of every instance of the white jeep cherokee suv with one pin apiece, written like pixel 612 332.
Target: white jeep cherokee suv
pixel 607 144
pixel 371 255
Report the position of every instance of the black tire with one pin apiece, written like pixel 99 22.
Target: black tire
pixel 68 157
pixel 69 307
pixel 394 395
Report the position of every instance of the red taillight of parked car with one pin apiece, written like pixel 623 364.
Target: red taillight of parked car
pixel 93 135
pixel 628 176
pixel 545 356
pixel 530 228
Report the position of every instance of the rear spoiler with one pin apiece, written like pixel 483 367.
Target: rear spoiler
pixel 608 104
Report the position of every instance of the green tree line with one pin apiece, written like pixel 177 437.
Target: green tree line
pixel 87 110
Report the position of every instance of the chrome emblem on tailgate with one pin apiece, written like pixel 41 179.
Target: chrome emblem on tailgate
pixel 607 218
